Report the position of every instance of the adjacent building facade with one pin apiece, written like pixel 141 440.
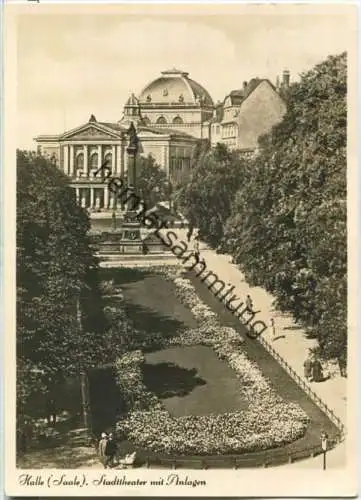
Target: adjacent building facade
pixel 171 115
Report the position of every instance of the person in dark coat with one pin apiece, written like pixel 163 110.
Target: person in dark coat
pixel 308 369
pixel 317 372
pixel 110 451
pixel 342 364
pixel 189 233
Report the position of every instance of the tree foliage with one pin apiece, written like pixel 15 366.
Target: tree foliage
pixel 57 277
pixel 152 183
pixel 206 200
pixel 288 225
pixel 282 214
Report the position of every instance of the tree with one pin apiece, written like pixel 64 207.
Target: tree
pixel 206 200
pixel 56 275
pixel 152 182
pixel 288 225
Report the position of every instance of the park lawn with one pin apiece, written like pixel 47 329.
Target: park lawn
pixel 189 380
pixel 192 380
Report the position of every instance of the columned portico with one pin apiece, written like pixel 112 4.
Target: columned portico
pixel 78 148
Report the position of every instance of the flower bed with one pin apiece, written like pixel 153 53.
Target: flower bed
pixel 268 422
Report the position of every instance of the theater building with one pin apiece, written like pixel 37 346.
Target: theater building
pixel 171 114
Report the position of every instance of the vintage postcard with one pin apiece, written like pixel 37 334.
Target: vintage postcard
pixel 180 220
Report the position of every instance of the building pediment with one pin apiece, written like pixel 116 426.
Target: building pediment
pixel 92 132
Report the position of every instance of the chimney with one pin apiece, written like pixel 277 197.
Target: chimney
pixel 286 78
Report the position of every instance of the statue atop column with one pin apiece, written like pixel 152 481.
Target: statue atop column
pixel 133 138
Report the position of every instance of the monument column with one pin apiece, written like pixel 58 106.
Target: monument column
pixel 114 201
pixel 131 167
pixel 132 150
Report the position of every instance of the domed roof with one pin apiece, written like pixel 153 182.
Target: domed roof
pixel 174 86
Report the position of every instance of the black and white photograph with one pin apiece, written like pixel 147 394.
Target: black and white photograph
pixel 180 213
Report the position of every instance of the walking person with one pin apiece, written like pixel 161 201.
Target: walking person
pixel 189 232
pixel 101 448
pixel 196 247
pixel 273 329
pixel 249 304
pixel 110 451
pixel 308 368
pixel 342 364
pixel 317 371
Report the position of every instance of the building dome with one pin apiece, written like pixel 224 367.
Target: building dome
pixel 175 86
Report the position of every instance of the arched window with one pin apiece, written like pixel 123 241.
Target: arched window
pixel 79 161
pixel 93 164
pixel 108 160
pixel 161 121
pixel 178 120
pixel 146 120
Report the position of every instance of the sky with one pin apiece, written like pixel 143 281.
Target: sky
pixel 70 66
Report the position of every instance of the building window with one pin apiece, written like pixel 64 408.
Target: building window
pixel 79 161
pixel 146 120
pixel 94 161
pixel 177 120
pixel 161 121
pixel 108 160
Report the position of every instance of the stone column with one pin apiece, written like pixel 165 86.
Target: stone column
pixel 86 169
pixel 66 159
pixel 166 159
pixel 97 199
pixel 83 199
pixel 106 197
pixel 91 197
pixel 114 164
pixel 99 155
pixel 71 161
pixel 118 167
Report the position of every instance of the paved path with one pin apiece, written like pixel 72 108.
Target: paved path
pixel 291 341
